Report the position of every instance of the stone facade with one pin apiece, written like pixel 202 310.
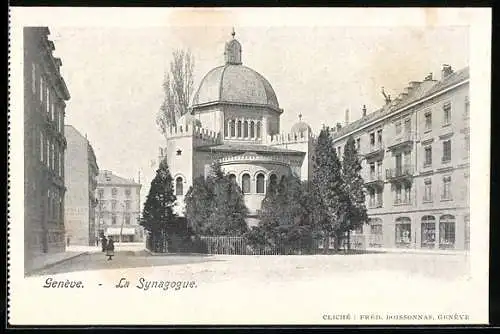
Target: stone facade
pixel 119 207
pixel 45 93
pixel 416 165
pixel 81 182
pixel 235 119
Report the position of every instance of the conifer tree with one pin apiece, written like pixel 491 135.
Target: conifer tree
pixel 356 214
pixel 329 188
pixel 158 212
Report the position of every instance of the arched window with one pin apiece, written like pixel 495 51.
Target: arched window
pixel 252 129
pixel 258 129
pixel 428 231
pixel 226 128
pixel 447 231
pixel 232 177
pixel 179 186
pixel 403 231
pixel 273 183
pixel 245 129
pixel 260 183
pixel 239 129
pixel 232 127
pixel 245 183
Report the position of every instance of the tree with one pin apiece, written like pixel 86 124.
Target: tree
pixel 157 212
pixel 328 188
pixel 215 205
pixel 356 214
pixel 178 88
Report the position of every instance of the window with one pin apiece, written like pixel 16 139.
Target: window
pixel 398 194
pixel 428 190
pixel 47 153
pixel 428 120
pixel 403 231
pixel 446 194
pixel 466 232
pixel 232 125
pixel 428 231
pixel 465 192
pixel 376 233
pixel 358 143
pixel 446 113
pixel 372 198
pixel 128 191
pixel 127 219
pixel 41 89
pixel 467 106
pixel 258 129
pixel 114 192
pixel 232 178
pixel 47 100
pixel 260 183
pixel 245 129
pixel 273 183
pixel 428 155
pixel 42 148
pixel 379 137
pixel 372 170
pixel 113 219
pixel 226 128
pixel 407 125
pixel 179 191
pixel 33 78
pixel 446 231
pixel 398 127
pixel 376 229
pixel 245 182
pixel 252 129
pixel 372 139
pixel 239 129
pixel 127 205
pixel 113 205
pixel 466 146
pixel 339 151
pixel 407 194
pixel 446 151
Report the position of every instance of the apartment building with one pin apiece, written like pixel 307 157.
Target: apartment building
pixel 118 208
pixel 81 182
pixel 415 163
pixel 45 93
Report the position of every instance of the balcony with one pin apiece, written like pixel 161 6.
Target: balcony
pixel 374 180
pixel 376 204
pixel 402 173
pixel 402 140
pixel 375 151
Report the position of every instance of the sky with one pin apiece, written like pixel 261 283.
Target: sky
pixel 115 74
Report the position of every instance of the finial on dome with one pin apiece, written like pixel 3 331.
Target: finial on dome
pixel 300 117
pixel 232 52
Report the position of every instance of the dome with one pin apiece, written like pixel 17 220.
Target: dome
pixel 235 83
pixel 300 126
pixel 190 120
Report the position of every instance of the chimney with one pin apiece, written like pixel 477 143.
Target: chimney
pixel 364 110
pixel 446 71
pixel 346 116
pixel 339 126
pixel 428 77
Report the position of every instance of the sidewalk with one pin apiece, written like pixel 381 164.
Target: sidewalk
pixel 47 260
pixel 417 251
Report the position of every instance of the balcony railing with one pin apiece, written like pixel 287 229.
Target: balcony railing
pixel 374 151
pixel 401 172
pixel 375 204
pixel 374 179
pixel 402 139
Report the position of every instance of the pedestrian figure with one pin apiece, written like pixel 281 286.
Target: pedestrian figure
pixel 67 241
pixel 103 243
pixel 110 249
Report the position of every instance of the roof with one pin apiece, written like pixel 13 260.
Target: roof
pixel 235 84
pixel 255 148
pixel 107 177
pixel 423 90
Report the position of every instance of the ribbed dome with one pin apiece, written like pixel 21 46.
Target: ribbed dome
pixel 300 126
pixel 237 84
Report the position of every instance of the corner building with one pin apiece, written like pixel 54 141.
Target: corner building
pixel 234 118
pixel 118 208
pixel 45 93
pixel 81 182
pixel 416 165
